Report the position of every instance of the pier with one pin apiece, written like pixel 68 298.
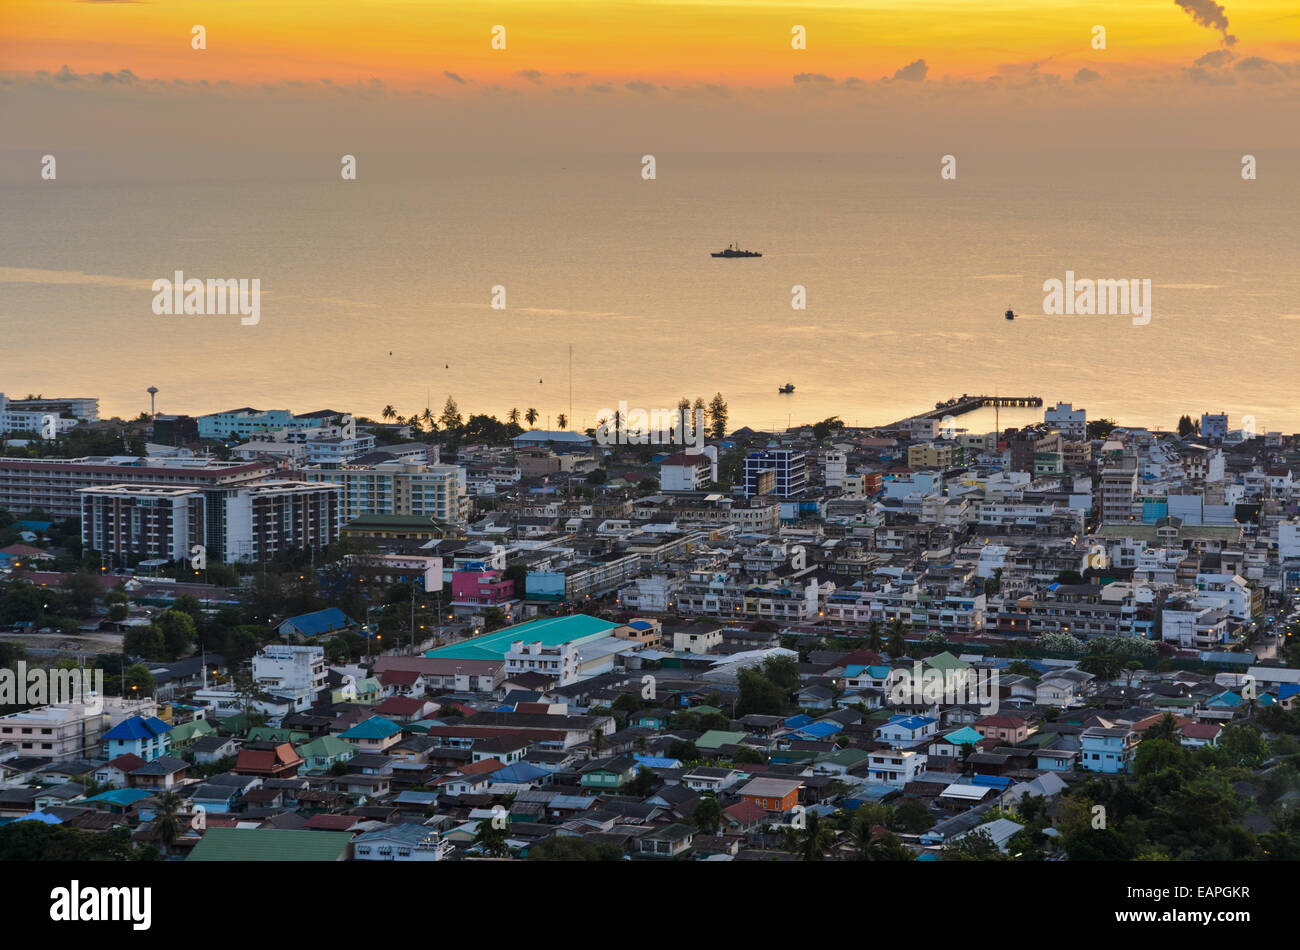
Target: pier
pixel 965 403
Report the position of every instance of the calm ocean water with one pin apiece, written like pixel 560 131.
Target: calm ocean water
pixel 378 290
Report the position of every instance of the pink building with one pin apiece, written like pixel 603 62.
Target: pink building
pixel 481 588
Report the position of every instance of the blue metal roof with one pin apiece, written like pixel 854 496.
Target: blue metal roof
pixel 794 722
pixel 991 781
pixel 137 727
pixel 319 621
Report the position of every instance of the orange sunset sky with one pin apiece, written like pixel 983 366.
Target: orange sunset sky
pixel 708 72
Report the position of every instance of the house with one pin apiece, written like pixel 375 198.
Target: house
pixel 467 779
pixel 267 760
pixel 1001 830
pixel 1109 750
pixel 208 749
pixel 1055 691
pixel 608 773
pixel 773 795
pixel 404 842
pixel 304 627
pixel 1194 735
pixel 710 779
pixel 1055 760
pixel 162 773
pixel 903 732
pixel 115 772
pixel 895 767
pixel 743 817
pixel 143 736
pixel 375 734
pixel 951 745
pixel 667 842
pixel 408 683
pixel 321 755
pixel 1009 729
pixel 185 735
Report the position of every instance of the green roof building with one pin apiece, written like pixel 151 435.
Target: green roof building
pixel 269 844
pixel 551 631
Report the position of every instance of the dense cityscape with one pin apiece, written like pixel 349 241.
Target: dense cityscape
pixel 451 637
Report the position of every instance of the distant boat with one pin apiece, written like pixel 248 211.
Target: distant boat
pixel 734 251
pixel 787 388
pixel 1010 315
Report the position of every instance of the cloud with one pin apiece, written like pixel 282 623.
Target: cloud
pixel 1207 77
pixel 454 77
pixel 1209 14
pixel 813 77
pixel 636 85
pixel 1086 75
pixel 1215 57
pixel 1258 69
pixel 912 72
pixel 532 75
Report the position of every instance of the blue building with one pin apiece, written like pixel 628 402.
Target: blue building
pixel 1107 750
pixel 146 738
pixel 788 468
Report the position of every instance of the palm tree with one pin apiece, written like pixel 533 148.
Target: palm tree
pixel 427 416
pixel 874 641
pixel 816 839
pixel 389 412
pixel 562 421
pixel 897 644
pixel 512 417
pixel 166 825
pixel 531 416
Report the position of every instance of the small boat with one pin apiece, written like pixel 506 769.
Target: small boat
pixel 1010 315
pixel 733 251
pixel 787 388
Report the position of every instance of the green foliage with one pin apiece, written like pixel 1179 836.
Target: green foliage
pixel 573 849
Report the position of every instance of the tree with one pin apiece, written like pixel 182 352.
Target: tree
pixel 450 420
pixel 1166 728
pixel 531 416
pixel 178 632
pixel 975 845
pixel 83 590
pixel 643 782
pixel 897 644
pixel 562 421
pixel 144 641
pixel 874 641
pixel 573 849
pixel 389 412
pixel 707 816
pixel 166 825
pixel 1242 744
pixel 824 428
pixel 758 694
pixel 1100 428
pixel 512 417
pixel 1186 427
pixel 911 817
pixel 492 839
pixel 718 417
pixel 816 839
pixel 138 680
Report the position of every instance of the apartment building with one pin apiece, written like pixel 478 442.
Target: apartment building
pixel 53 484
pixel 395 488
pixel 788 469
